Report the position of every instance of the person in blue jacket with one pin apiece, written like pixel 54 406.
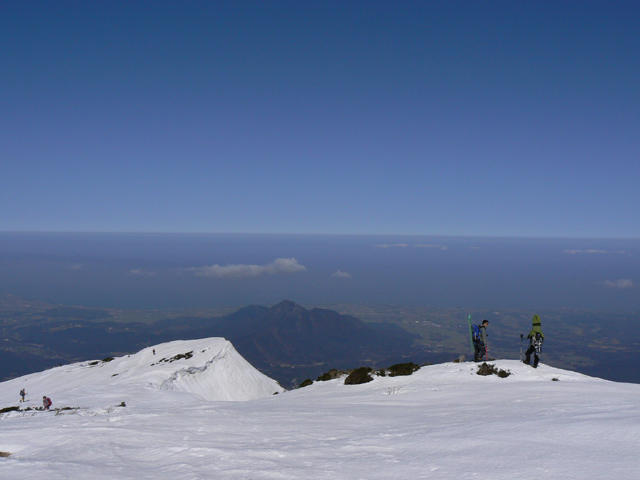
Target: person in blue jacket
pixel 480 342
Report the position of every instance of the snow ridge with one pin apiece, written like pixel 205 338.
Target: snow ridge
pixel 226 376
pixel 207 369
pixel 173 382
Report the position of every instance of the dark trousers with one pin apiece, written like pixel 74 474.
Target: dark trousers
pixel 480 351
pixel 536 356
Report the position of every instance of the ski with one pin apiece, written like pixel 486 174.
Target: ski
pixel 473 348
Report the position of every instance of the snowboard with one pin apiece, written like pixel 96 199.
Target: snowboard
pixel 536 327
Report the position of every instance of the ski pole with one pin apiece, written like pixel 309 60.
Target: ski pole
pixel 520 347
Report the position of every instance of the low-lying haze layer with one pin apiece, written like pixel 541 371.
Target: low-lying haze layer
pixel 150 271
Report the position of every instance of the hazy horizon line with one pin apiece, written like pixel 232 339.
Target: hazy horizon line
pixel 284 234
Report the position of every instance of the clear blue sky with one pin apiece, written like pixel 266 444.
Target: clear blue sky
pixel 446 118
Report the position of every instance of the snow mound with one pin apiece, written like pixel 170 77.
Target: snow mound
pixel 186 370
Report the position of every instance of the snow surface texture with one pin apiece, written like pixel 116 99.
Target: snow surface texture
pixel 442 422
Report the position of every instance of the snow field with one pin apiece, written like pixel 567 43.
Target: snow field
pixel 442 422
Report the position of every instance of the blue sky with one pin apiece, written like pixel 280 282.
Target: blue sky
pixel 480 118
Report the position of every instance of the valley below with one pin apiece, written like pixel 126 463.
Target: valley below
pixel 37 335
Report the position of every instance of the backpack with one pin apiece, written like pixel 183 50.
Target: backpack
pixel 49 402
pixel 536 341
pixel 477 335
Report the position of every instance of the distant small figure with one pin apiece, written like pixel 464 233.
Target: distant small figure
pixel 480 340
pixel 46 402
pixel 536 337
pixel 154 351
pixel 22 394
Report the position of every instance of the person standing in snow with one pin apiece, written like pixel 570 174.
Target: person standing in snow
pixel 480 342
pixel 46 402
pixel 536 337
pixel 22 394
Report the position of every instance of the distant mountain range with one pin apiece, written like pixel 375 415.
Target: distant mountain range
pixel 290 343
pixel 287 342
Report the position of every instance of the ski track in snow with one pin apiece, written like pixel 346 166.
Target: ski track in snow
pixel 442 422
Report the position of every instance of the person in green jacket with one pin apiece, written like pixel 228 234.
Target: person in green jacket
pixel 536 338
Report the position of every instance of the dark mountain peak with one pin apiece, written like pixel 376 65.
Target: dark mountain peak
pixel 287 336
pixel 288 316
pixel 286 340
pixel 287 308
pixel 330 322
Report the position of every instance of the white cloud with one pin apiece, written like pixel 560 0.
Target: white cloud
pixel 404 245
pixel 340 274
pixel 622 283
pixel 575 252
pixel 279 265
pixel 441 247
pixel 140 271
pixel 75 266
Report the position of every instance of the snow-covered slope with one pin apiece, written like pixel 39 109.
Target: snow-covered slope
pixel 206 369
pixel 442 422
